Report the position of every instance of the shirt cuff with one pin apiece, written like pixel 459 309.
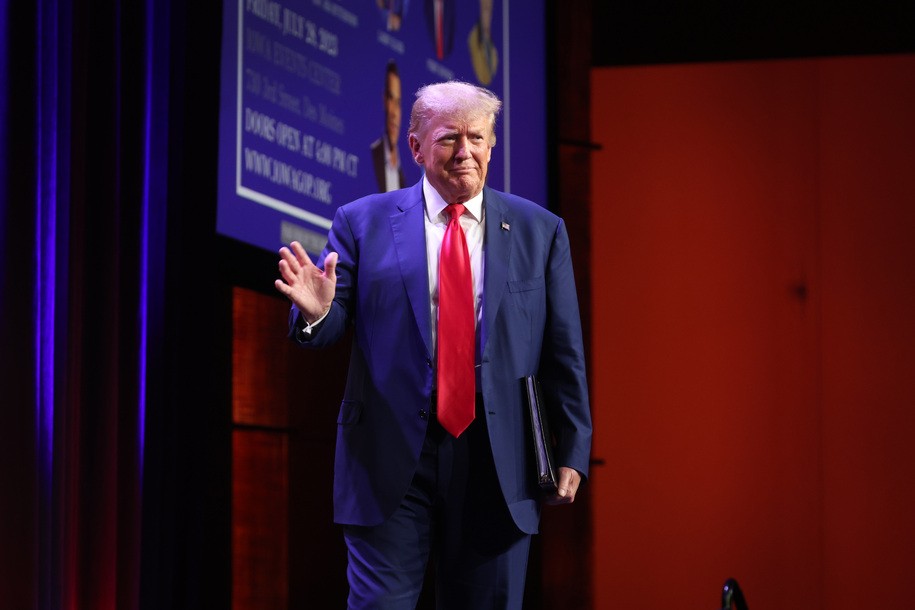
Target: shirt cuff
pixel 308 329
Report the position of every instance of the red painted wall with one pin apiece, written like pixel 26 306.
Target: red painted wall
pixel 867 195
pixel 752 337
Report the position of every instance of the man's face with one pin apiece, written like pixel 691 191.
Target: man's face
pixel 392 107
pixel 455 151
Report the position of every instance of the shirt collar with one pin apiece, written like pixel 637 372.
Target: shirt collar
pixel 435 204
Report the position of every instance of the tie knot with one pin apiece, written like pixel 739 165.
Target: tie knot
pixel 455 210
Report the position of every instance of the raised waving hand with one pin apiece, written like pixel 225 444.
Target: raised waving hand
pixel 309 288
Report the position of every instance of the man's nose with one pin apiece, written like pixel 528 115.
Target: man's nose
pixel 462 147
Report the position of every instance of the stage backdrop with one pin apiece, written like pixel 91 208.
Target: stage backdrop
pixel 303 102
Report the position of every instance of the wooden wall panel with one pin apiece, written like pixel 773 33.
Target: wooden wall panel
pixel 286 551
pixel 260 360
pixel 260 520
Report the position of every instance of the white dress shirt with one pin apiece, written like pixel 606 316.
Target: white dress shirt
pixel 391 169
pixel 473 223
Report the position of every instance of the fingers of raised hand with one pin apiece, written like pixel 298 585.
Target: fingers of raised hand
pixel 300 254
pixel 286 271
pixel 283 287
pixel 330 266
pixel 287 257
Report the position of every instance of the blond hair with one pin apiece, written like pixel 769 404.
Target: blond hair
pixel 457 99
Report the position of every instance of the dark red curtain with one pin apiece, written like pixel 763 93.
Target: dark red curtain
pixel 18 433
pixel 74 221
pixel 107 491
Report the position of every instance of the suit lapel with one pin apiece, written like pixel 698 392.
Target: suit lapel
pixel 497 258
pixel 408 228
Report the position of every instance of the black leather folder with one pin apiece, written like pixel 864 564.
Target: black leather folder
pixel 540 433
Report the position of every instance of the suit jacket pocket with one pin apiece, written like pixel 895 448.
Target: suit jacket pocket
pixel 523 313
pixel 350 413
pixel 525 285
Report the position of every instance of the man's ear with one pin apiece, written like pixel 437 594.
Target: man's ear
pixel 415 149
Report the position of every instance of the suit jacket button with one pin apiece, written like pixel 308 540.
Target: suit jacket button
pixel 423 414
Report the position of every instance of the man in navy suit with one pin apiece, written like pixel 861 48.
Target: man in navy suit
pixel 385 155
pixel 406 490
pixel 440 22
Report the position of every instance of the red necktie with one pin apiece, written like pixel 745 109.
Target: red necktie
pixel 456 335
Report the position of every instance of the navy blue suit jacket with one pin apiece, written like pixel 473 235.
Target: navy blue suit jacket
pixel 530 325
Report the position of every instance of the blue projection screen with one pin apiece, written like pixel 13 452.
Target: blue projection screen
pixel 309 103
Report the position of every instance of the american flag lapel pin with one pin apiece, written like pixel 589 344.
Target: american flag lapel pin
pixel 506 226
